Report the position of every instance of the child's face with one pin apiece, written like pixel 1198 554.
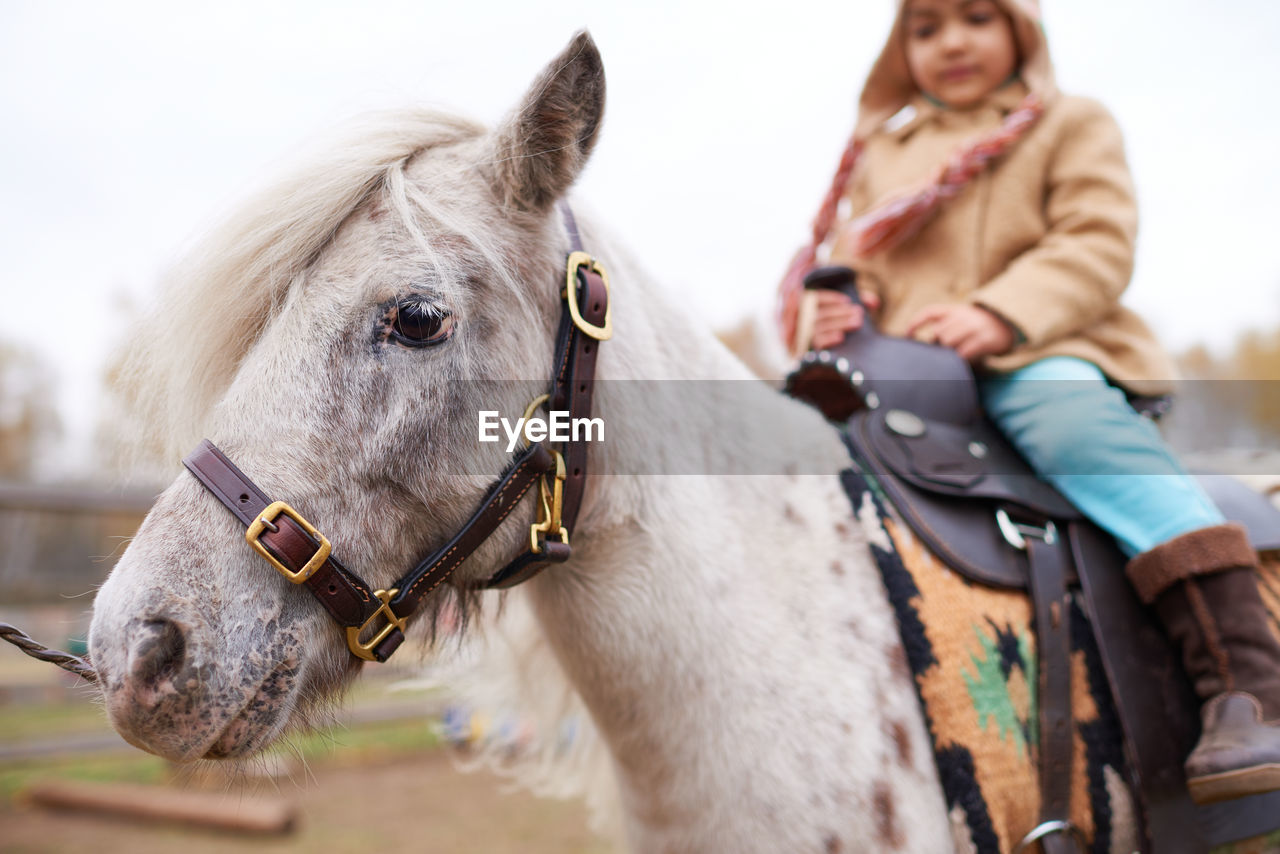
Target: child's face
pixel 959 51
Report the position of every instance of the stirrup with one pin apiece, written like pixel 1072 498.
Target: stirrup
pixel 1048 828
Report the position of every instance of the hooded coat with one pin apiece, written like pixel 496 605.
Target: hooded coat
pixel 1044 237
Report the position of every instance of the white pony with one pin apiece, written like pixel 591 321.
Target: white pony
pixel 729 636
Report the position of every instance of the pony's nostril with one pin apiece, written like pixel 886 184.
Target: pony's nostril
pixel 158 653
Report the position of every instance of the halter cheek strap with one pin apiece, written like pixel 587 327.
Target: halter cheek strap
pixel 299 552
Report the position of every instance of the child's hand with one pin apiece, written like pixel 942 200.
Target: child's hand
pixel 837 315
pixel 970 330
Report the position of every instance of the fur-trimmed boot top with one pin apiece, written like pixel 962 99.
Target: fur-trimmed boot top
pixel 1204 588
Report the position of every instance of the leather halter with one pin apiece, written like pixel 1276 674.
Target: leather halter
pixel 303 555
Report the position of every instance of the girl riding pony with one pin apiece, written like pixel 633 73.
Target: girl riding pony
pixel 984 211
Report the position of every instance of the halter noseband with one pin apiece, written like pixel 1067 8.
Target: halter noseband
pixel 303 555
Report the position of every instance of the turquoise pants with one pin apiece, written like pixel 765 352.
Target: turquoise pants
pixel 1080 434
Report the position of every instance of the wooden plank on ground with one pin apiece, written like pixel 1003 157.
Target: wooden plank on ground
pixel 239 813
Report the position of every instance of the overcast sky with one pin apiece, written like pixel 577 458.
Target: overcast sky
pixel 127 128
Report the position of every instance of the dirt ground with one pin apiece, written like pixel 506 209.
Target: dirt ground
pixel 421 804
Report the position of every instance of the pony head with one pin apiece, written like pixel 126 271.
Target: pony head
pixel 337 339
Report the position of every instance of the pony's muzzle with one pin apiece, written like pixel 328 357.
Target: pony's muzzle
pixel 152 682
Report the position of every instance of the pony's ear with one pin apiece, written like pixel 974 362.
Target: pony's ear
pixel 540 149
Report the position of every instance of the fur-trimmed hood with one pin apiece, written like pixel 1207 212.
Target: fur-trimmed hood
pixel 889 86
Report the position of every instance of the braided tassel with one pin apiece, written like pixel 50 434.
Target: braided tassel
pixel 893 221
pixel 806 258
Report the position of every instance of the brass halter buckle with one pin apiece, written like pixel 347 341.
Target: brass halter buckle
pixel 551 499
pixel 582 259
pixel 266 519
pixel 365 650
pixel 550 506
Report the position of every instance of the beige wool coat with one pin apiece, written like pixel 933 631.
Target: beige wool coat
pixel 1044 237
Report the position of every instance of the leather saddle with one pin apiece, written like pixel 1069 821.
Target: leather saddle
pixel 913 422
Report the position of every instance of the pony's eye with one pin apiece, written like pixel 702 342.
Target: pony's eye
pixel 421 324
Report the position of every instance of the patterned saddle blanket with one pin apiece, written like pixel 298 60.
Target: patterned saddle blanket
pixel 972 651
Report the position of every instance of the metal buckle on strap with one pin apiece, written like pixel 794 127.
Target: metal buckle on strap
pixel 1015 533
pixel 266 519
pixel 528 413
pixel 582 259
pixel 550 506
pixel 1048 828
pixel 365 650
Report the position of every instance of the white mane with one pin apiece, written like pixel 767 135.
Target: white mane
pixel 234 280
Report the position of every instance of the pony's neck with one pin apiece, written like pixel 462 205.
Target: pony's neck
pixel 724 630
pixel 738 655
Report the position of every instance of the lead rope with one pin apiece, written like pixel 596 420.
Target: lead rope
pixel 71 663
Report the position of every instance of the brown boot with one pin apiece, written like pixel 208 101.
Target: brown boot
pixel 1205 591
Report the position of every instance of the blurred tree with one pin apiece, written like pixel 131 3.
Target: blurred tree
pixel 29 423
pixel 1197 363
pixel 1257 362
pixel 1236 397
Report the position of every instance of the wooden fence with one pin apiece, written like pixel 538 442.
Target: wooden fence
pixel 61 541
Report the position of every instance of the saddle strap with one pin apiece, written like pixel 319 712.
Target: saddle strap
pixel 1049 559
pixel 1151 694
